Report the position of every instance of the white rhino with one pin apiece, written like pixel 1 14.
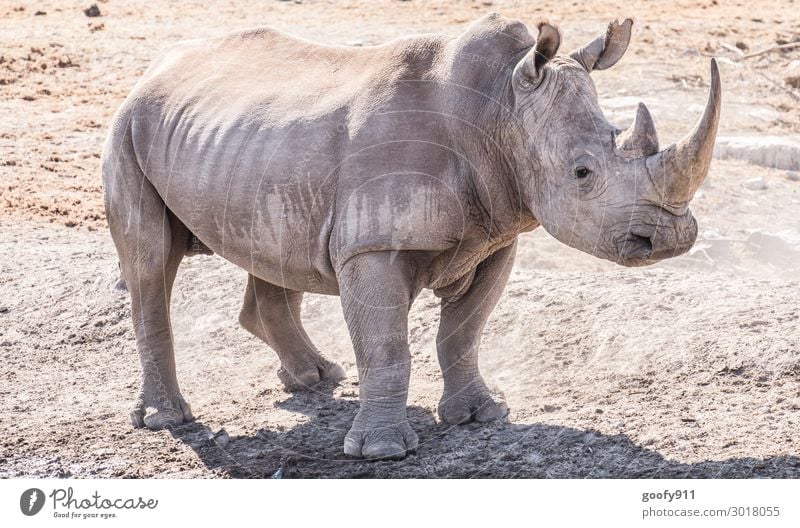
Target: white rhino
pixel 372 173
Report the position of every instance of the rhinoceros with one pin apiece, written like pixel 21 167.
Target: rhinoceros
pixel 373 173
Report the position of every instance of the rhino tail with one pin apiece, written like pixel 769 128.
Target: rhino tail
pixel 121 285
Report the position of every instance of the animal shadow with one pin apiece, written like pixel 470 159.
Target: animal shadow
pixel 313 449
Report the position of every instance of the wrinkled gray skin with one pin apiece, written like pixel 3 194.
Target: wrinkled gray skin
pixel 372 173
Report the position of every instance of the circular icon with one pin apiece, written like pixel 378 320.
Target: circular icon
pixel 31 501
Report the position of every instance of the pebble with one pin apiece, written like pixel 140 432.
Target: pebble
pixel 220 438
pixel 756 184
pixel 3 309
pixel 92 11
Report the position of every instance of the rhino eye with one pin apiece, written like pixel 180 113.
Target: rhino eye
pixel 582 172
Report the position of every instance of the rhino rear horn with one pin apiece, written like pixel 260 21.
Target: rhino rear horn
pixel 606 50
pixel 528 72
pixel 640 139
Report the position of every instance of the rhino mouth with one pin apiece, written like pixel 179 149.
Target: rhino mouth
pixel 635 250
pixel 644 246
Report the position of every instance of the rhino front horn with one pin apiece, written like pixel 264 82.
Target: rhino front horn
pixel 679 170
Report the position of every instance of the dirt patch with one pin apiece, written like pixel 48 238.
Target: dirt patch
pixel 625 373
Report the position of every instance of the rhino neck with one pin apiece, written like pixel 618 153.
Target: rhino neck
pixel 488 173
pixel 477 93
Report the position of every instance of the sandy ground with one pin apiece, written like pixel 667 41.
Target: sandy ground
pixel 687 368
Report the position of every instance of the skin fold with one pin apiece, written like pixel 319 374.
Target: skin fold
pixel 373 173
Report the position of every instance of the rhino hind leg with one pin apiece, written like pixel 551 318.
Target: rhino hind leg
pixel 150 242
pixel 272 314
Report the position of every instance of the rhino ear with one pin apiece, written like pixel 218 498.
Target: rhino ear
pixel 604 51
pixel 528 72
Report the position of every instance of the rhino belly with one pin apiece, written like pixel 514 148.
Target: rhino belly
pixel 245 197
pixel 267 235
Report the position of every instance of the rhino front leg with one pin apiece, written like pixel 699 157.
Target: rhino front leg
pixel 466 396
pixel 376 293
pixel 272 314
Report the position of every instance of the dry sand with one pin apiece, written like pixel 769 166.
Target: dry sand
pixel 687 368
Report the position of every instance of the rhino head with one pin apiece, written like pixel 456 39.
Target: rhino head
pixel 611 193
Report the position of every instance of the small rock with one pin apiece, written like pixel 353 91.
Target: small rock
pixel 92 11
pixel 726 61
pixel 741 45
pixel 792 80
pixel 220 438
pixel 3 309
pixel 40 13
pixel 756 184
pixel 793 176
pixel 6 344
pixel 278 474
pixel 356 43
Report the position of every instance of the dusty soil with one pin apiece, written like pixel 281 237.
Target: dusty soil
pixel 687 368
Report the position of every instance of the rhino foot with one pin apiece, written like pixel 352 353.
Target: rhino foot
pixel 324 370
pixel 381 442
pixel 162 415
pixel 466 406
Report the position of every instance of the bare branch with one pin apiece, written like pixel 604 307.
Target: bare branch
pixel 790 45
